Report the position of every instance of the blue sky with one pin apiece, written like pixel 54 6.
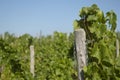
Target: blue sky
pixel 47 16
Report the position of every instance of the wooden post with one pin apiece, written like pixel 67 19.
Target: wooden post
pixel 80 38
pixel 32 60
pixel 1 69
pixel 117 48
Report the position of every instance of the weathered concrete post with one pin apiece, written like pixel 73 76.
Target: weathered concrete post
pixel 80 38
pixel 32 63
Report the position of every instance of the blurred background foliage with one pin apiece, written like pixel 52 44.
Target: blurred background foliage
pixel 53 57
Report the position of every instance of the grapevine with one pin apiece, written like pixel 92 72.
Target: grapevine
pixel 101 38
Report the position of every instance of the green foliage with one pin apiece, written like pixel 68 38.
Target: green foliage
pixel 53 60
pixel 101 43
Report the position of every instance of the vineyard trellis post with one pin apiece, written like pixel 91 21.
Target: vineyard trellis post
pixel 32 62
pixel 117 47
pixel 80 47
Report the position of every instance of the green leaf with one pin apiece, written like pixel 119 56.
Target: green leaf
pixel 76 25
pixel 96 76
pixel 117 61
pixel 96 53
pixel 92 18
pixel 83 11
pixel 85 69
pixel 111 17
pixel 93 29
